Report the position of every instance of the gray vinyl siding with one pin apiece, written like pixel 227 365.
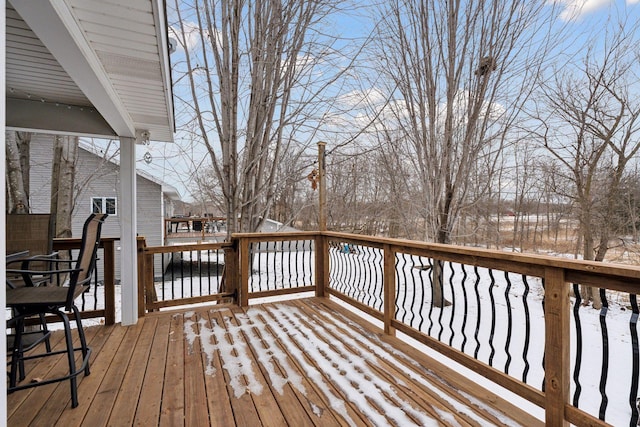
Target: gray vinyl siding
pixel 96 178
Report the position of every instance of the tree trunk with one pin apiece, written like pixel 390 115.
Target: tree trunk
pixel 65 151
pixel 589 293
pixel 55 181
pixel 24 147
pixel 17 194
pixel 62 182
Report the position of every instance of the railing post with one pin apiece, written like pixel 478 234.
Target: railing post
pixel 245 272
pixel 108 246
pixel 149 287
pixel 322 265
pixel 389 289
pixel 556 355
pixel 140 245
pixel 231 272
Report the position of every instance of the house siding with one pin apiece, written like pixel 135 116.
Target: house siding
pixel 96 177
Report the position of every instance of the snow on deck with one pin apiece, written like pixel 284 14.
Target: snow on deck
pixel 359 377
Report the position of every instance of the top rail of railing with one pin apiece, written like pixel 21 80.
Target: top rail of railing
pixel 620 277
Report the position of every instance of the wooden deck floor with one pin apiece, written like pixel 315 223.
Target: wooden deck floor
pixel 298 363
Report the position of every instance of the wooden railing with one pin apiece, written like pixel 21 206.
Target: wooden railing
pixel 552 392
pixel 171 276
pixel 267 267
pixel 396 282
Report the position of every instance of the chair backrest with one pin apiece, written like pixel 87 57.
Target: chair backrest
pixel 30 232
pixel 86 262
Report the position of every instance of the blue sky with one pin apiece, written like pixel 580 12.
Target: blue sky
pixel 174 163
pixel 579 11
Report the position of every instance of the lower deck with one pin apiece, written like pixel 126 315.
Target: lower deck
pixel 301 363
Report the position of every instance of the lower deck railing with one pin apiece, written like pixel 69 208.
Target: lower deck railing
pixel 171 276
pixel 517 320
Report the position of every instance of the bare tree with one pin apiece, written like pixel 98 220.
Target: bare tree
pixel 256 75
pixel 400 185
pixel 63 172
pixel 632 203
pixel 456 69
pixel 17 171
pixel 591 129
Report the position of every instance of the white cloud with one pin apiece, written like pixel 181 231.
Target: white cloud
pixel 191 35
pixel 356 98
pixel 574 9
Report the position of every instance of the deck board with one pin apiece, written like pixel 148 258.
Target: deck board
pixel 218 400
pixel 33 370
pixel 173 395
pixel 151 393
pixel 196 413
pixel 104 347
pixel 113 381
pixel 288 400
pixel 49 396
pixel 306 362
pixel 125 405
pixel 433 401
pixel 332 397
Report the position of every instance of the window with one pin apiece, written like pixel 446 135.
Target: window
pixel 106 205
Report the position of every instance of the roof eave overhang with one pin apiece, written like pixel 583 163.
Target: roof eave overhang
pixel 159 12
pixel 53 23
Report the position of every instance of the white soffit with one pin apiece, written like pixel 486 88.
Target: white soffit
pixel 129 38
pixel 53 23
pixel 107 55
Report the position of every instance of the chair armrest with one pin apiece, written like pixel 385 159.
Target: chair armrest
pixel 27 275
pixel 31 272
pixel 51 261
pixel 46 258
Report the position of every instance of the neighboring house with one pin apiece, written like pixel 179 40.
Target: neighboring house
pixel 272 226
pixel 98 183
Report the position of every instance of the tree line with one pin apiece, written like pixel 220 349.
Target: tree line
pixel 488 123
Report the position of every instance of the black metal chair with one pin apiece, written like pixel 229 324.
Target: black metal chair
pixel 29 235
pixel 29 301
pixel 37 334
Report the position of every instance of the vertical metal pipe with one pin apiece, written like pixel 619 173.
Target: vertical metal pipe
pixel 322 191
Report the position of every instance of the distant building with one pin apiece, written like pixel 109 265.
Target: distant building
pixel 98 190
pixel 272 226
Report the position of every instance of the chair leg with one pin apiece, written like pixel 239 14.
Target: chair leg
pixel 22 374
pixel 43 323
pixel 83 341
pixel 72 362
pixel 16 354
pixel 18 345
